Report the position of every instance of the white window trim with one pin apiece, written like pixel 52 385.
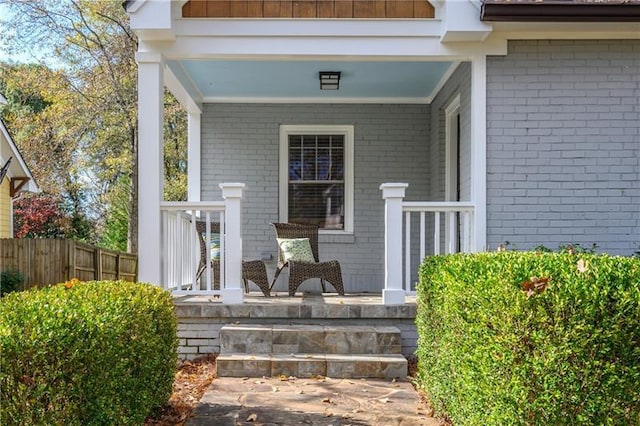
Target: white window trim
pixel 451 164
pixel 451 152
pixel 348 132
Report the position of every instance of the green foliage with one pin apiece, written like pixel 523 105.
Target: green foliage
pixel 10 280
pixel 563 354
pixel 116 224
pixel 175 149
pixel 95 353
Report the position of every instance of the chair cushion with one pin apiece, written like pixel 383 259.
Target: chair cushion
pixel 214 244
pixel 296 249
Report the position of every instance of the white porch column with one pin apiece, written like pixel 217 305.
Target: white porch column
pixel 479 151
pixel 232 293
pixel 193 156
pixel 393 194
pixel 150 166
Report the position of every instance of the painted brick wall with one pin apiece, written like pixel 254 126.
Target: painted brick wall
pixel 563 141
pixel 240 143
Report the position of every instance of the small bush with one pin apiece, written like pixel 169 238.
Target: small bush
pixel 560 352
pixel 95 353
pixel 10 280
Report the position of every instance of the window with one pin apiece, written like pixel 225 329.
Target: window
pixel 316 176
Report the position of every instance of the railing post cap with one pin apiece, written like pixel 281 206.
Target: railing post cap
pixel 232 190
pixel 393 190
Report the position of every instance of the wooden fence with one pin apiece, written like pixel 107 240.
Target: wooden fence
pixel 52 261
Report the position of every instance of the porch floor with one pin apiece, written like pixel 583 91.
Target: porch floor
pixel 256 297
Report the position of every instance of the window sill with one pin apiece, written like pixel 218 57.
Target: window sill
pixel 336 238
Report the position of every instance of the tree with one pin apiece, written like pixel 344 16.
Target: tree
pixel 116 224
pixel 94 107
pixel 39 216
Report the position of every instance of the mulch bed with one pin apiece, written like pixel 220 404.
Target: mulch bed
pixel 192 380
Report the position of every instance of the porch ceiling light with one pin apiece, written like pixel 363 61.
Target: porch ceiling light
pixel 329 80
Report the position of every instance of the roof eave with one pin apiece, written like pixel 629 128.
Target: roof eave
pixel 24 171
pixel 560 12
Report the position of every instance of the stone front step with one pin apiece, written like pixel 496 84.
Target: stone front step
pixel 382 366
pixel 309 339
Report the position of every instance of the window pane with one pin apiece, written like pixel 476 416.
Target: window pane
pixel 324 141
pixel 295 141
pixel 320 204
pixel 309 163
pixel 316 186
pixel 295 164
pixel 324 164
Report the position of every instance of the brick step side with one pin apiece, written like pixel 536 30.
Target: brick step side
pixel 382 366
pixel 309 339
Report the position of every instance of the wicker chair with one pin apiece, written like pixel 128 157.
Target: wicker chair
pixel 252 270
pixel 300 271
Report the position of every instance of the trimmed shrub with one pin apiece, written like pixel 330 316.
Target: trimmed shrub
pixel 519 338
pixel 95 353
pixel 10 280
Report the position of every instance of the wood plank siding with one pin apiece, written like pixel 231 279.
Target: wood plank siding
pixel 5 209
pixel 341 9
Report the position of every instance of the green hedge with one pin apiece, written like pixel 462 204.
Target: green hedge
pixel 491 354
pixel 95 353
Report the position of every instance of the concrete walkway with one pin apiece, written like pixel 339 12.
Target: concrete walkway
pixel 322 401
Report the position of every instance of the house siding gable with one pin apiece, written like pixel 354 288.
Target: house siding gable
pixel 5 209
pixel 563 144
pixel 240 142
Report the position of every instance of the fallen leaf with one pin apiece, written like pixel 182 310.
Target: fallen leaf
pixel 582 266
pixel 327 400
pixel 534 285
pixel 252 417
pixel 283 378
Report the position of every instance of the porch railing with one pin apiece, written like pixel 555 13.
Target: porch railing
pixel 188 267
pixel 414 230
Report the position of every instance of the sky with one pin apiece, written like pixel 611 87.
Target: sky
pixel 22 57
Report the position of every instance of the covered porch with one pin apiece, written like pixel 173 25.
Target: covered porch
pixel 411 231
pixel 409 115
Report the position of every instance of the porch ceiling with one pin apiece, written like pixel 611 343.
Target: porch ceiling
pixel 269 80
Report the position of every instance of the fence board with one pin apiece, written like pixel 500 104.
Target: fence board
pixel 51 261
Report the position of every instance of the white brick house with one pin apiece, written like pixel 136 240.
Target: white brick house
pixel 528 132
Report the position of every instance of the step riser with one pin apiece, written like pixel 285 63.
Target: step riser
pixel 310 339
pixel 311 350
pixel 311 366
